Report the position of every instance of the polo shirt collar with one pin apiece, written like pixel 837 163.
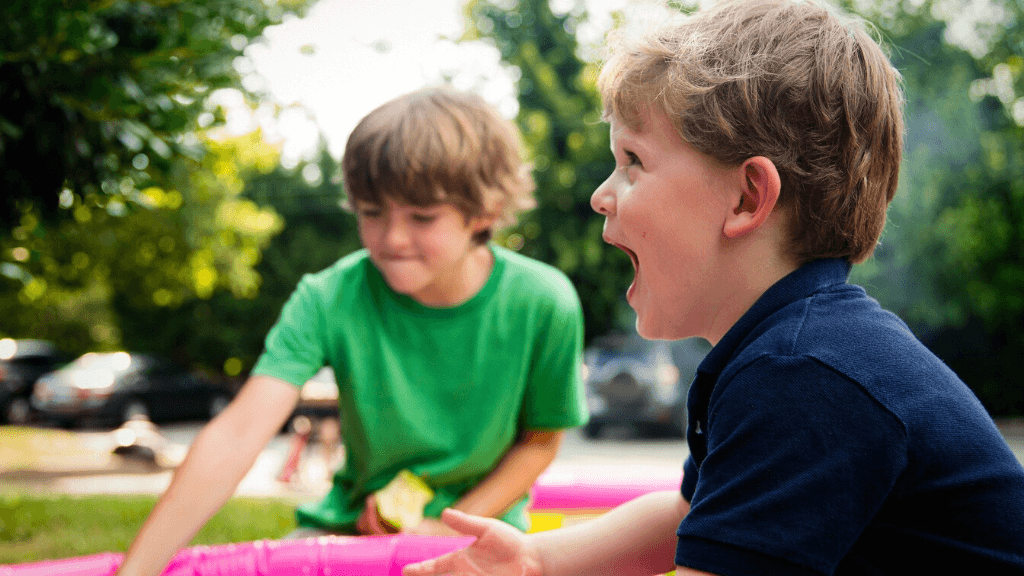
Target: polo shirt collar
pixel 799 284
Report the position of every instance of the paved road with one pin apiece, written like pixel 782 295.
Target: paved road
pixel 91 468
pixel 86 465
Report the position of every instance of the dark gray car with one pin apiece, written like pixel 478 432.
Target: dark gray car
pixel 114 387
pixel 640 383
pixel 22 362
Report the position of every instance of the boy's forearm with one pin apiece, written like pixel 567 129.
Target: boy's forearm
pixel 221 455
pixel 200 486
pixel 514 475
pixel 638 537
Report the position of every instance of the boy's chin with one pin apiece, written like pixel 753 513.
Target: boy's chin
pixel 646 331
pixel 655 331
pixel 404 286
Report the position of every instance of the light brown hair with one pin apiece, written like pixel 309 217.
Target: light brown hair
pixel 791 81
pixel 437 145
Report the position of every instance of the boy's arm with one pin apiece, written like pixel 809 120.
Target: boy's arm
pixel 217 461
pixel 510 479
pixel 638 537
pixel 514 474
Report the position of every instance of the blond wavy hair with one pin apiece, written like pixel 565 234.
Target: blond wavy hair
pixel 437 145
pixel 795 82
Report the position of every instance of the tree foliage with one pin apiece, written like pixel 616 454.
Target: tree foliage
pixel 560 119
pixel 951 259
pixel 122 217
pixel 98 97
pixel 172 246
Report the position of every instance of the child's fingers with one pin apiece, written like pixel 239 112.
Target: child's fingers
pixel 363 524
pixel 464 523
pixel 440 565
pixel 369 522
pixel 372 518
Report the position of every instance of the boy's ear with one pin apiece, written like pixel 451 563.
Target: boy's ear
pixel 482 222
pixel 759 193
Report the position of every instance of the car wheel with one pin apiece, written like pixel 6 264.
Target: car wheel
pixel 648 430
pixel 18 411
pixel 680 424
pixel 134 409
pixel 593 429
pixel 218 404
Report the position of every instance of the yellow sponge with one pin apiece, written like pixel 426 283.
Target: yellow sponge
pixel 401 502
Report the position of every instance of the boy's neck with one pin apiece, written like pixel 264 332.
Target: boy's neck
pixel 748 283
pixel 473 272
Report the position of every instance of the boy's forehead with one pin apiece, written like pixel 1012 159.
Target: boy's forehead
pixel 651 123
pixel 389 203
pixel 620 131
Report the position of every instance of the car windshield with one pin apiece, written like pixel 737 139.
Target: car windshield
pixel 115 362
pixel 16 350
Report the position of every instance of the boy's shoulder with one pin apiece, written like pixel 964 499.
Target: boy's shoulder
pixel 349 270
pixel 533 276
pixel 843 328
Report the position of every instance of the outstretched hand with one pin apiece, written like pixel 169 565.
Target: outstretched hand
pixel 431 527
pixel 499 550
pixel 370 523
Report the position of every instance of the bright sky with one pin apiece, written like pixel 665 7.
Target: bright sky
pixel 346 57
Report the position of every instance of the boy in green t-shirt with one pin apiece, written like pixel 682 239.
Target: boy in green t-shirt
pixel 456 360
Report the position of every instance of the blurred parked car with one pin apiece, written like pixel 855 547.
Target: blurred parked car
pixel 640 383
pixel 319 396
pixel 116 386
pixel 21 363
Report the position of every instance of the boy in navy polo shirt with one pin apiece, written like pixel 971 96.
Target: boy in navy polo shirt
pixel 757 146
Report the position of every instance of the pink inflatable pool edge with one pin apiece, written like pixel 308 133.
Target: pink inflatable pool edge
pixel 600 486
pixel 324 556
pixel 564 489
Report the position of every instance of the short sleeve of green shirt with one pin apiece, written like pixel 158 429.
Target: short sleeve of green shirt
pixel 294 347
pixel 554 395
pixel 443 392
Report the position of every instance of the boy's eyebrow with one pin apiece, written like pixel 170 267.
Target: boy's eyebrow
pixel 363 205
pixel 619 139
pixel 626 140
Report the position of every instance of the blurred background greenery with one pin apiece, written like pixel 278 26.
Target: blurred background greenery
pixel 128 223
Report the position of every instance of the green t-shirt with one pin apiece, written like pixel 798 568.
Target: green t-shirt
pixel 443 392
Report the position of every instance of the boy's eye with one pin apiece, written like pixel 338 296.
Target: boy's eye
pixel 370 212
pixel 633 159
pixel 423 218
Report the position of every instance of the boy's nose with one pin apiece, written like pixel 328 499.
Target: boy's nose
pixel 395 234
pixel 603 199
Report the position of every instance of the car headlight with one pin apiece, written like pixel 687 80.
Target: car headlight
pixel 666 382
pixel 668 376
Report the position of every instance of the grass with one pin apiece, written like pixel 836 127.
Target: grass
pixel 36 527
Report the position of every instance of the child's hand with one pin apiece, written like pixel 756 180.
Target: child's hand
pixel 431 527
pixel 370 523
pixel 499 550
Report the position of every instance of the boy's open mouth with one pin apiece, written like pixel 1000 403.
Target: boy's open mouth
pixel 632 256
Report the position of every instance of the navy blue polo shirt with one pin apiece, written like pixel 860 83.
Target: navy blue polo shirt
pixel 826 439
